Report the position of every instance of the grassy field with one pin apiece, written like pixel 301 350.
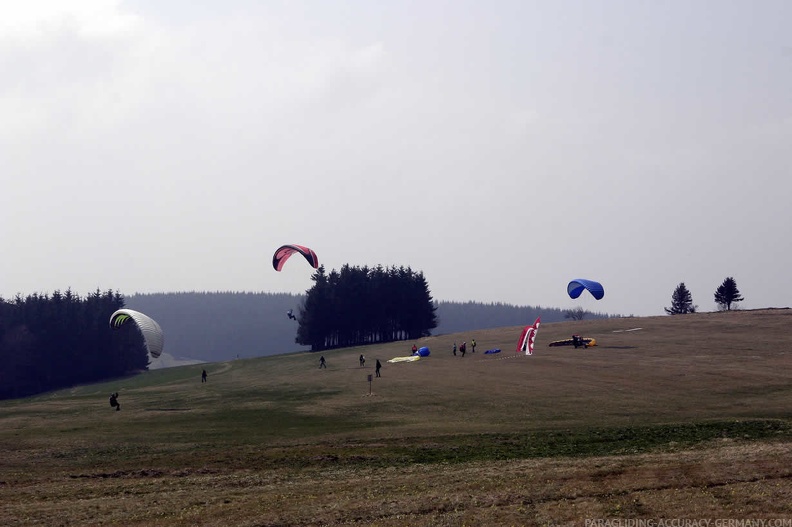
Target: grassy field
pixel 686 417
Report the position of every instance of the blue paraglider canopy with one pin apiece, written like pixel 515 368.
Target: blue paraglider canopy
pixel 422 352
pixel 576 287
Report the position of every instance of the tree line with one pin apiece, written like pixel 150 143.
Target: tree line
pixel 362 305
pixel 726 295
pixel 49 342
pixel 222 325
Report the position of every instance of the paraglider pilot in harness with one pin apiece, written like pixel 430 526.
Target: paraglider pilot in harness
pixel 114 401
pixel 578 341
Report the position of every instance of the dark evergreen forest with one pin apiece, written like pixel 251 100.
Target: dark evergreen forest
pixel 362 305
pixel 55 341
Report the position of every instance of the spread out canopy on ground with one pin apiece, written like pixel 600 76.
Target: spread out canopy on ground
pixel 285 251
pixel 576 287
pixel 411 358
pixel 422 352
pixel 577 341
pixel 151 331
pixel 527 337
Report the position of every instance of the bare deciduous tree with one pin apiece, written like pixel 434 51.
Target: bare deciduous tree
pixel 575 314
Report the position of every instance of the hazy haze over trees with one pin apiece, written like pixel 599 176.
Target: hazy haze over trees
pixel 218 326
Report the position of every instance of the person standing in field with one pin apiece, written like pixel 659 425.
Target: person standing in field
pixel 454 349
pixel 473 346
pixel 362 360
pixel 462 348
pixel 203 376
pixel 322 363
pixel 378 366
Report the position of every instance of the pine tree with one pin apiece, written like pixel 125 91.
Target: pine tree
pixel 681 301
pixel 51 342
pixel 727 294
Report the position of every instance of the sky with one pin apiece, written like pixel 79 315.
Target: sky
pixel 502 148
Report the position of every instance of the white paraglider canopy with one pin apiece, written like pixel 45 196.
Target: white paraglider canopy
pixel 151 331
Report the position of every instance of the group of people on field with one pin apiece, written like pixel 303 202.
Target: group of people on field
pixel 463 347
pixel 323 365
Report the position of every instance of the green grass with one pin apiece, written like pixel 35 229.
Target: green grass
pixel 688 402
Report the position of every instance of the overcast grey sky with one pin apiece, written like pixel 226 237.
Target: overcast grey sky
pixel 503 147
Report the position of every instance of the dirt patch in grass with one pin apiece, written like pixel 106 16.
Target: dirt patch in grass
pixel 719 479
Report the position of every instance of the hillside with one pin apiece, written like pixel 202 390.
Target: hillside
pixel 667 417
pixel 224 326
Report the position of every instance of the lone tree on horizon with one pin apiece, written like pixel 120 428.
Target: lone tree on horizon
pixel 727 294
pixel 575 314
pixel 681 301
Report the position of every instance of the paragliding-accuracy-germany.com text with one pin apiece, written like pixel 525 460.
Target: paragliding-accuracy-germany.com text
pixel 689 522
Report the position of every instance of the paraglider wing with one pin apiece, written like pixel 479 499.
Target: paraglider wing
pixel 527 338
pixel 411 358
pixel 522 338
pixel 576 287
pixel 587 342
pixel 284 252
pixel 423 351
pixel 151 331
